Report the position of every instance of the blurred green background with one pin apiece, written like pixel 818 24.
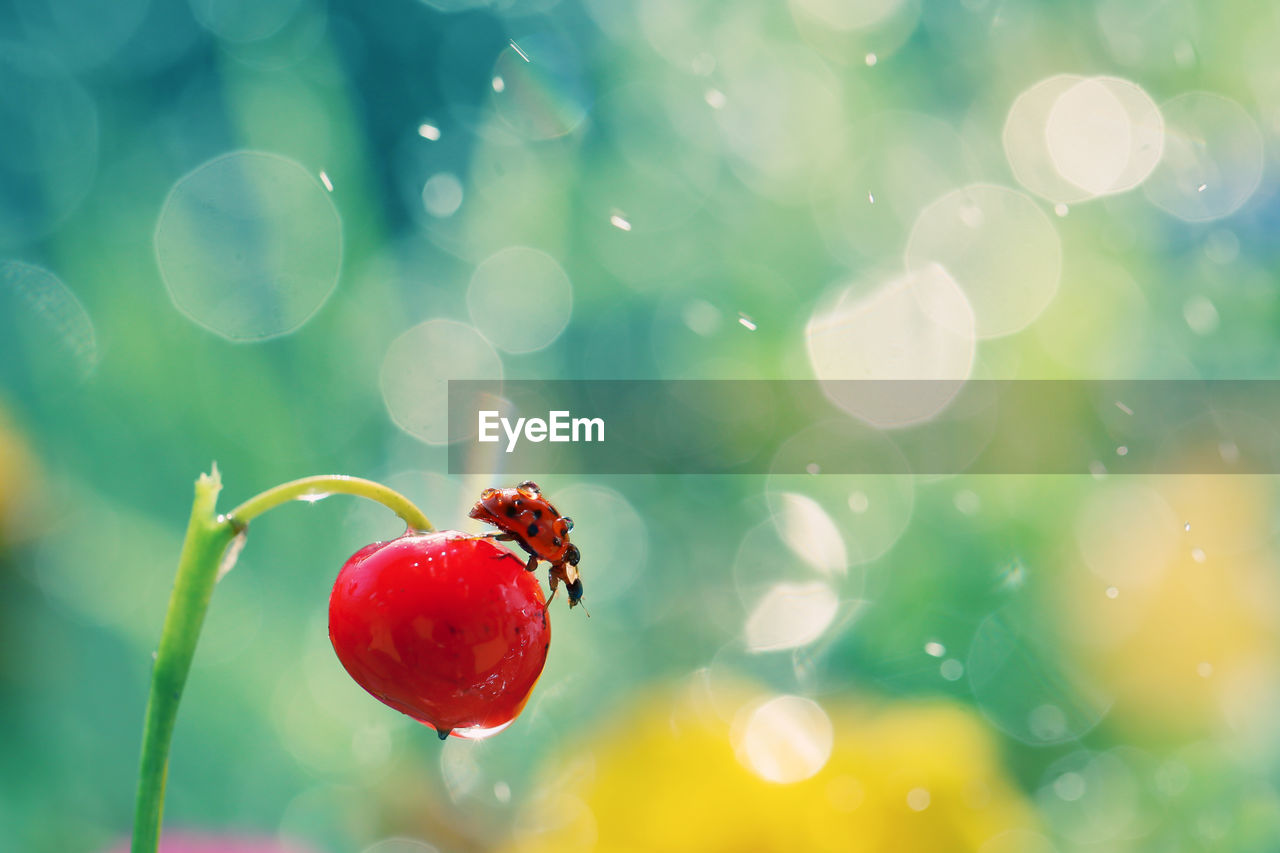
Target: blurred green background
pixel 266 233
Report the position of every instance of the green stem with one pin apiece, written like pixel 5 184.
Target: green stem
pixel 314 488
pixel 208 535
pixel 207 538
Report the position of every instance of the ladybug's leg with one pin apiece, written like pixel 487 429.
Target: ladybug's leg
pixel 532 564
pixel 498 537
pixel 554 582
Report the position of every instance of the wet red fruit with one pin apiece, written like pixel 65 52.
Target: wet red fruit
pixel 444 627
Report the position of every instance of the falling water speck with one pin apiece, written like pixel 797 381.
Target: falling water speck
pixel 715 99
pixel 934 649
pixel 1012 575
pixel 517 49
pixel 499 84
pixel 871 59
pixel 1122 407
pixel 871 198
pixel 1187 527
pixel 1122 451
pixel 746 322
pixel 429 131
pixel 1112 592
pixel 324 179
pixel 1198 555
pixel 619 222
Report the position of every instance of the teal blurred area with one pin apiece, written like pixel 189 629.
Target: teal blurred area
pixel 266 234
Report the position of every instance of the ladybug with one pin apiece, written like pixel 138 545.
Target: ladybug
pixel 527 518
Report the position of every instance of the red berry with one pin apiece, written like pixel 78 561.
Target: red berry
pixel 444 627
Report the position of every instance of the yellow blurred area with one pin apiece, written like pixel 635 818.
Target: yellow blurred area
pixel 674 775
pixel 18 481
pixel 1184 638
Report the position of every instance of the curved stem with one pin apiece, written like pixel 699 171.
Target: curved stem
pixel 203 550
pixel 323 485
pixel 207 538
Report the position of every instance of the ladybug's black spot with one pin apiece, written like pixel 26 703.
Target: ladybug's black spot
pixel 444 733
pixel 537 513
pixel 533 530
pixel 511 511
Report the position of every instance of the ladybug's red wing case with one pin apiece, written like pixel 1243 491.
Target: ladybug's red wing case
pixel 528 517
pixel 530 520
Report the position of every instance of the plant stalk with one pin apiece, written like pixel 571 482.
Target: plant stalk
pixel 207 539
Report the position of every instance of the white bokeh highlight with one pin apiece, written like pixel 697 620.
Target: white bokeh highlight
pixel 1070 138
pixel 810 533
pixel 418 366
pixel 442 195
pixel 1213 158
pixel 1127 534
pixel 1104 135
pixel 784 740
pixel 851 15
pixel 998 246
pixel 44 321
pixel 241 21
pixel 249 245
pixel 520 299
pixel 914 326
pixel 791 615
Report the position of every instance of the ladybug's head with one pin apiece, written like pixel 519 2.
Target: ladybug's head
pixel 572 555
pixel 575 593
